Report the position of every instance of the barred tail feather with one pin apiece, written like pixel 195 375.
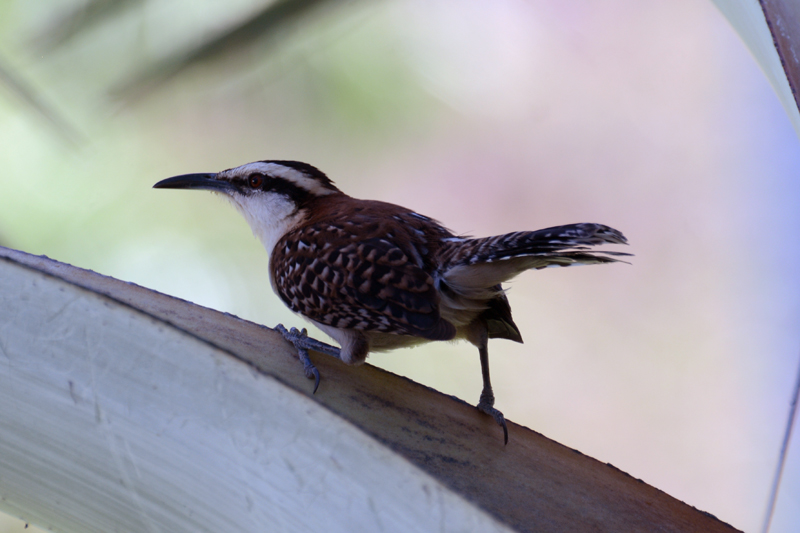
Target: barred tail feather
pixel 478 265
pixel 566 242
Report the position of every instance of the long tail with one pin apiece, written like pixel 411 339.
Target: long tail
pixel 474 269
pixel 559 245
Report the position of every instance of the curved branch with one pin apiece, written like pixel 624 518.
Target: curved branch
pixel 125 409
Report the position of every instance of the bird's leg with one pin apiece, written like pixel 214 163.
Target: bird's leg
pixel 486 403
pixel 303 343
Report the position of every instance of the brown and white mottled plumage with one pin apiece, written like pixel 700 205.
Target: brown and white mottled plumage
pixel 377 276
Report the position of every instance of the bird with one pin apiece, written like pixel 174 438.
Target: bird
pixel 376 276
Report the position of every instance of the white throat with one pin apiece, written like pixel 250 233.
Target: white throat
pixel 270 216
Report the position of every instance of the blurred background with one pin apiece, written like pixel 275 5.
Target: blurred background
pixel 492 117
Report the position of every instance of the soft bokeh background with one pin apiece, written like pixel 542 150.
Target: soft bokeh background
pixel 492 117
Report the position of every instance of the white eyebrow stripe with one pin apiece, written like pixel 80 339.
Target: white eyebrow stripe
pixel 279 171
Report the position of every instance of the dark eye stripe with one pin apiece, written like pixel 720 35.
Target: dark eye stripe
pixel 295 193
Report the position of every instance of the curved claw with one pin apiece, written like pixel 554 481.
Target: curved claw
pixel 302 342
pixel 308 367
pixel 312 372
pixel 498 417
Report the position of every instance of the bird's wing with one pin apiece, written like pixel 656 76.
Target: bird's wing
pixel 329 274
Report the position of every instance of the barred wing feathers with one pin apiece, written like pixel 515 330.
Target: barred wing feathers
pixel 335 276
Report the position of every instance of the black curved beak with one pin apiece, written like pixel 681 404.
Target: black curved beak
pixel 208 182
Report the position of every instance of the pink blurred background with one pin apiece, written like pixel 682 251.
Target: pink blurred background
pixel 651 117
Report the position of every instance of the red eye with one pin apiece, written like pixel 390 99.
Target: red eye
pixel 255 181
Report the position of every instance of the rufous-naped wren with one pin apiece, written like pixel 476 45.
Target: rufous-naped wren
pixel 376 276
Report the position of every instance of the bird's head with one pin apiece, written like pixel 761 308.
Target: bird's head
pixel 272 195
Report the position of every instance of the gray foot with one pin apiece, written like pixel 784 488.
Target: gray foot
pixel 486 405
pixel 303 343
